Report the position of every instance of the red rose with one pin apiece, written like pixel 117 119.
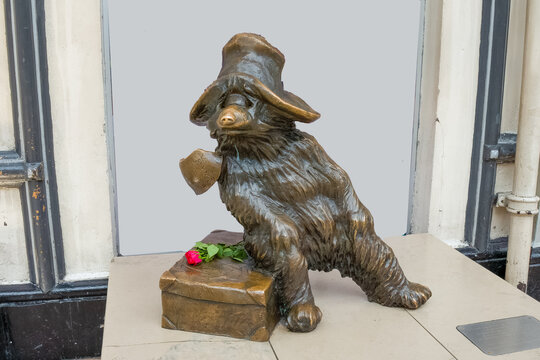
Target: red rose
pixel 193 257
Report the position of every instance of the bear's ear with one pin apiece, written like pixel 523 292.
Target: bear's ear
pixel 299 109
pixel 283 100
pixel 296 108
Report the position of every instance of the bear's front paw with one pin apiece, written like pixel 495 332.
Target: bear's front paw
pixel 283 236
pixel 303 317
pixel 410 295
pixel 414 296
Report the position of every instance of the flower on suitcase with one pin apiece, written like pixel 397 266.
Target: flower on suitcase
pixel 193 257
pixel 208 252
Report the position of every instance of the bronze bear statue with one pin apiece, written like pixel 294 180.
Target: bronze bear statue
pixel 297 206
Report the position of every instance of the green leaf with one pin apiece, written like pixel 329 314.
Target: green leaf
pixel 239 252
pixel 208 252
pixel 212 251
pixel 202 252
pixel 220 250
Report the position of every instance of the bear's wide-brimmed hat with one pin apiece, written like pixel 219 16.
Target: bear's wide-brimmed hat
pixel 251 63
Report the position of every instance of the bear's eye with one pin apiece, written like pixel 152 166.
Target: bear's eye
pixel 249 102
pixel 239 100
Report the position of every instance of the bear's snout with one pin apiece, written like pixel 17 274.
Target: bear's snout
pixel 233 117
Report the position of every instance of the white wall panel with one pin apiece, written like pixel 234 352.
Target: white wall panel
pixel 514 67
pixel 536 239
pixel 80 139
pixel 454 124
pixel 7 139
pixel 428 88
pixel 13 258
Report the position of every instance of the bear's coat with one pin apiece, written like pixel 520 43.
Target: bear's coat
pixel 297 206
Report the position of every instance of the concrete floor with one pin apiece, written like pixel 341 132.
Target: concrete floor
pixel 463 293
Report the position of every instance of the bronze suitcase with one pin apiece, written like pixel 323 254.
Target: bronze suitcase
pixel 222 297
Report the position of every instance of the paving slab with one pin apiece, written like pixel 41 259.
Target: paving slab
pixel 463 293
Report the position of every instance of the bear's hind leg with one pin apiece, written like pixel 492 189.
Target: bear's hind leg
pixel 376 270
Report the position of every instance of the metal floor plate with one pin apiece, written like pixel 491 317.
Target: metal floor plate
pixel 504 336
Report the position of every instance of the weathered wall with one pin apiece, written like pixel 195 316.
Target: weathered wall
pixel 428 92
pixel 80 137
pixel 440 205
pixel 510 110
pixel 13 260
pixel 447 114
pixel 7 140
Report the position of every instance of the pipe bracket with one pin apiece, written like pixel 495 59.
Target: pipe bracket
pixel 521 205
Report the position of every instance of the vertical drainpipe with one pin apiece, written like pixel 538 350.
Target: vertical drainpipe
pixel 522 204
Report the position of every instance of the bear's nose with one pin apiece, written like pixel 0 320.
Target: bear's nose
pixel 226 119
pixel 232 117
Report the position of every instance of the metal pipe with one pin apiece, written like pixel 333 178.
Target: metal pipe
pixel 522 204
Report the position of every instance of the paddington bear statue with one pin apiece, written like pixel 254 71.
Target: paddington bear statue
pixel 297 206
